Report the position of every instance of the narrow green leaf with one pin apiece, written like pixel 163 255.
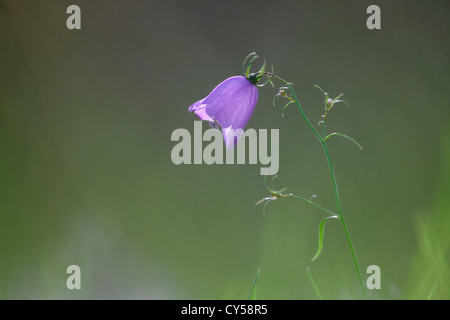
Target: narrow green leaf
pixel 261 73
pixel 247 72
pixel 321 234
pixel 263 68
pixel 313 282
pixel 344 136
pixel 335 100
pixel 253 292
pixel 274 99
pixel 430 295
pixel 290 102
pixel 271 183
pixel 245 61
pixel 324 93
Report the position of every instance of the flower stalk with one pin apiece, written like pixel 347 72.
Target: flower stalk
pixel 230 106
pixel 340 216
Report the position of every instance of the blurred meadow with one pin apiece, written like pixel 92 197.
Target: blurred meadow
pixel 86 176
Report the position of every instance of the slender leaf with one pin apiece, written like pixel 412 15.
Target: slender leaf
pixel 245 61
pixel 263 68
pixel 247 72
pixel 314 284
pixel 324 93
pixel 430 295
pixel 290 102
pixel 321 234
pixel 253 292
pixel 344 136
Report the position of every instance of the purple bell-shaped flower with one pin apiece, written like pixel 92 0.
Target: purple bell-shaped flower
pixel 231 104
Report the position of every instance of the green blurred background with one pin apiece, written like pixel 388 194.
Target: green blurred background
pixel 86 176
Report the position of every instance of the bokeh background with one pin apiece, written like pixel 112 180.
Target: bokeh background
pixel 86 178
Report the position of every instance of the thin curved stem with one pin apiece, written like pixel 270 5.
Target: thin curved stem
pixel 333 178
pixel 310 202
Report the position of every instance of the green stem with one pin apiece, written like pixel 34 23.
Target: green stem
pixel 314 284
pixel 333 179
pixel 310 202
pixel 341 218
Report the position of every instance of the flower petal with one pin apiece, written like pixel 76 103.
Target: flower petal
pixel 200 110
pixel 230 104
